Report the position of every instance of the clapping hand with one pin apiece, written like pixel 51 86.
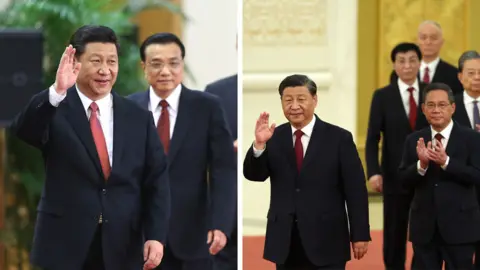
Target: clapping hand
pixel 422 152
pixel 437 154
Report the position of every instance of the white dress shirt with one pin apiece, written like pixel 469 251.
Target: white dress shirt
pixel 173 101
pixel 446 135
pixel 468 101
pixel 105 114
pixel 432 67
pixel 307 134
pixel 403 87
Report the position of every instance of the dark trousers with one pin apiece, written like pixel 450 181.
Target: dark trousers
pixel 396 211
pixel 297 258
pixel 431 256
pixel 94 260
pixel 171 262
pixel 477 256
pixel 226 259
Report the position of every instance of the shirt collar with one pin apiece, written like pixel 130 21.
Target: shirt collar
pixel 445 132
pixel 468 99
pixel 103 103
pixel 431 66
pixel 404 87
pixel 173 99
pixel 308 129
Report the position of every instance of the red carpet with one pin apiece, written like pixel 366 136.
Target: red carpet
pixel 253 253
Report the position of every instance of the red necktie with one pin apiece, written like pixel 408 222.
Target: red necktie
pixel 298 148
pixel 163 125
pixel 99 140
pixel 412 115
pixel 426 76
pixel 439 137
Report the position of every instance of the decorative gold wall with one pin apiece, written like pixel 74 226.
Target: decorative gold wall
pixel 384 23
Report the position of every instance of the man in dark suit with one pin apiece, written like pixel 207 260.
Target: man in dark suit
pixel 394 114
pixel 467 112
pixel 106 187
pixel 193 129
pixel 442 164
pixel 315 172
pixel 433 68
pixel 226 90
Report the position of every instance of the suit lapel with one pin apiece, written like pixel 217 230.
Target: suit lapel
pixel 398 105
pixel 454 141
pixel 119 127
pixel 181 123
pixel 286 138
pixel 461 112
pixel 78 120
pixel 438 72
pixel 145 99
pixel 314 145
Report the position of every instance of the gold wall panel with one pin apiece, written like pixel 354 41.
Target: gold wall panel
pixel 399 20
pixel 284 22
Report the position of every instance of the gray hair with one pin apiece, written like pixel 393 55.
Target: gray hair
pixel 468 55
pixel 434 23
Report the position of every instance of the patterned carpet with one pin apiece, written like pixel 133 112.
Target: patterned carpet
pixel 253 252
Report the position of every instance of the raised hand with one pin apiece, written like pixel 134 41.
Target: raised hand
pixel 263 130
pixel 67 71
pixel 423 153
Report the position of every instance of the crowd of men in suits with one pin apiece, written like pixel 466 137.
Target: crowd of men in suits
pixel 426 121
pixel 146 181
pixel 441 209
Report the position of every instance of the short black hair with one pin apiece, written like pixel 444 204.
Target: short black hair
pixel 468 55
pixel 161 38
pixel 92 33
pixel 403 48
pixel 298 80
pixel 439 86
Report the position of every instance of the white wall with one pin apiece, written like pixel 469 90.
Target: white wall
pixel 210 40
pixel 281 37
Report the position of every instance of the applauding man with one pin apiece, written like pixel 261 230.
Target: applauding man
pixel 106 188
pixel 442 164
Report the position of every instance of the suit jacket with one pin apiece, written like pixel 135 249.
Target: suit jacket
pixel 444 199
pixel 226 90
pixel 460 116
pixel 389 122
pixel 201 142
pixel 332 174
pixel 135 200
pixel 445 73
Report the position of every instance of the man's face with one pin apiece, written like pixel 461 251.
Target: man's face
pixel 430 40
pixel 470 76
pixel 406 65
pixel 437 108
pixel 99 69
pixel 163 66
pixel 298 105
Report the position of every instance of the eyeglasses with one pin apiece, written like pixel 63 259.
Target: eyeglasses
pixel 442 106
pixel 157 66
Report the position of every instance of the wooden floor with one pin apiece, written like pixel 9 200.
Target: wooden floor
pixel 253 251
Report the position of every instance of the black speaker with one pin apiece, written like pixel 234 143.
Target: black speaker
pixel 21 70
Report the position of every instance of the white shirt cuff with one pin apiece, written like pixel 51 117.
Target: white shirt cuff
pixel 256 152
pixel 421 170
pixel 444 166
pixel 54 97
